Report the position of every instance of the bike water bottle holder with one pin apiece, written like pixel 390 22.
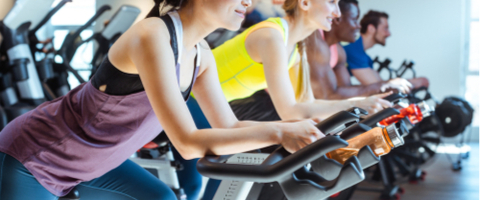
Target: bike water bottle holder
pixel 329 168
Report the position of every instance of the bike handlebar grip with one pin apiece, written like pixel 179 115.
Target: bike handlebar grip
pixel 358 111
pixel 387 62
pixel 379 116
pixel 395 97
pixel 339 119
pixel 212 166
pixel 354 131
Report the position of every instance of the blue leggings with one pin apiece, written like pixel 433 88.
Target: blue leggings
pixel 189 178
pixel 129 181
pixel 201 122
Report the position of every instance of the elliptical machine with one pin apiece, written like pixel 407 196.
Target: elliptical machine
pixel 46 52
pixel 20 86
pixel 118 24
pixel 59 83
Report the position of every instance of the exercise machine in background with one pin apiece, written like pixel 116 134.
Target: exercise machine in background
pixel 20 86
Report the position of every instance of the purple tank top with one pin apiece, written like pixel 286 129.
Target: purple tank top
pixel 82 135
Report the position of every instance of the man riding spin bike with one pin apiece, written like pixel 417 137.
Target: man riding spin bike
pixel 374 30
pixel 328 60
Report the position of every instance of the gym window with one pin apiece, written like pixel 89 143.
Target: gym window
pixel 73 15
pixel 472 73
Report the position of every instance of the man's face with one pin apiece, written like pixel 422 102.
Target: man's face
pixel 382 32
pixel 348 27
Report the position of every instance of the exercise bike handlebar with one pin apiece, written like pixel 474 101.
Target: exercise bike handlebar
pixel 280 163
pixel 212 166
pixel 385 65
pixel 395 97
pixel 372 120
pixel 337 120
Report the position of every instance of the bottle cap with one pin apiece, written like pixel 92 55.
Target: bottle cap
pixel 425 109
pixel 395 137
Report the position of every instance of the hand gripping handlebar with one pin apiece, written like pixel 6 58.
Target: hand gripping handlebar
pixel 393 98
pixel 288 169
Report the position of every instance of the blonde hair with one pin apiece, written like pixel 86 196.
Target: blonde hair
pixel 302 85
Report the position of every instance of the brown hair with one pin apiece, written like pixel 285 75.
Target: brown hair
pixel 290 7
pixel 372 17
pixel 157 9
pixel 302 86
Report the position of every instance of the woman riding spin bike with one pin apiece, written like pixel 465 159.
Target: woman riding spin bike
pixel 265 57
pixel 84 139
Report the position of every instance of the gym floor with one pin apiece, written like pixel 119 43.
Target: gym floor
pixel 441 182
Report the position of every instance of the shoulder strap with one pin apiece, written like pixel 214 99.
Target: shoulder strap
pixel 199 56
pixel 266 24
pixel 173 36
pixel 285 30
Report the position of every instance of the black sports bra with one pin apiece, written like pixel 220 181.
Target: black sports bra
pixel 122 83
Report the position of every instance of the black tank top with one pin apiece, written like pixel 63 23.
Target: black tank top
pixel 122 83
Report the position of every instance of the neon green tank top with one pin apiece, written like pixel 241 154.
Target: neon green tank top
pixel 239 75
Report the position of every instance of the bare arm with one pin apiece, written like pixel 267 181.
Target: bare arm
pixel 155 64
pixel 366 76
pixel 328 83
pixel 268 44
pixel 419 82
pixel 208 94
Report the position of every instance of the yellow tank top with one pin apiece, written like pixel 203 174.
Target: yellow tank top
pixel 239 75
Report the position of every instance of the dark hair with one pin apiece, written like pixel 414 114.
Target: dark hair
pixel 160 4
pixel 345 5
pixel 372 17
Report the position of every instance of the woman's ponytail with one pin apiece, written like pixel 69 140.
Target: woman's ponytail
pixel 303 89
pixel 160 4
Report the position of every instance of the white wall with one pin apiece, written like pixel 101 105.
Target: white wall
pixel 144 5
pixel 430 32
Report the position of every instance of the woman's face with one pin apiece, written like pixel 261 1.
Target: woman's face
pixel 322 13
pixel 228 14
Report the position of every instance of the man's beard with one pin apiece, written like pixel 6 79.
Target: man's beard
pixel 378 41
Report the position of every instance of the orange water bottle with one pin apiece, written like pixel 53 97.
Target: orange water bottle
pixel 380 140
